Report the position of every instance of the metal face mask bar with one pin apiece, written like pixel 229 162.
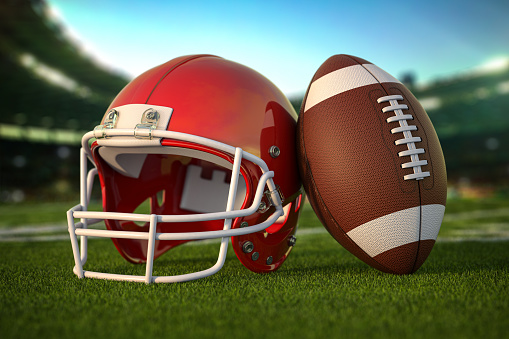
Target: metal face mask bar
pixel 89 217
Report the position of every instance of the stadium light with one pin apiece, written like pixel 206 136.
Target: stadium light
pixel 494 65
pixel 52 76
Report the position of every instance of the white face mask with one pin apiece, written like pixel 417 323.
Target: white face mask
pixel 121 149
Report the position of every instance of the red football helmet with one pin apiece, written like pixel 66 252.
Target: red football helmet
pixel 208 146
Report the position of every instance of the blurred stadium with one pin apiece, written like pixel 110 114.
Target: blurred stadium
pixel 52 93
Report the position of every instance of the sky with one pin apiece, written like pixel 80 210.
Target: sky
pixel 287 41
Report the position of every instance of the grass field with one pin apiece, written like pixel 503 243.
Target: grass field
pixel 321 291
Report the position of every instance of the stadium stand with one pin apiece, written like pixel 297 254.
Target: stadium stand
pixel 470 113
pixel 52 93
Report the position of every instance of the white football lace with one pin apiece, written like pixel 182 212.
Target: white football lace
pixel 408 139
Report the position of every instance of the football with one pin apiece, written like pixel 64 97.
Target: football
pixel 371 164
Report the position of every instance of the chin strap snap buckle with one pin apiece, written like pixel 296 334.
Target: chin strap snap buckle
pixel 110 121
pixel 149 121
pixel 271 198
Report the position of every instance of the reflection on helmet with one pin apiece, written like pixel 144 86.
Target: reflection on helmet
pixel 197 148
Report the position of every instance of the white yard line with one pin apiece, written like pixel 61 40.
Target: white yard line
pixel 478 214
pixel 38 238
pixel 32 229
pixel 494 231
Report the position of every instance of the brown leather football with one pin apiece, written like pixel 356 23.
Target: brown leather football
pixel 371 164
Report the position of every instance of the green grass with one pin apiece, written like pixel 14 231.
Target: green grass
pixel 321 291
pixel 34 213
